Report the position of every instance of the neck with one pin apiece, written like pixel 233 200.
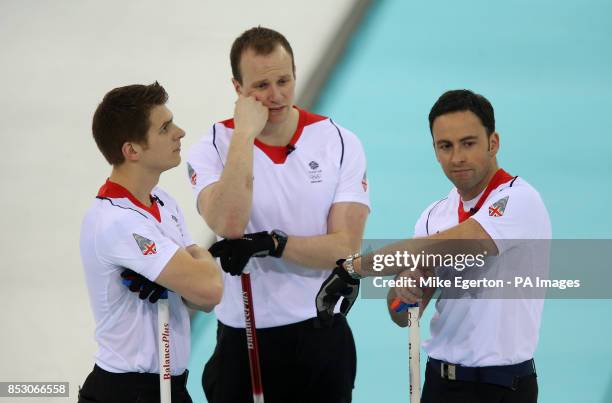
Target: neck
pixel 469 194
pixel 280 134
pixel 139 182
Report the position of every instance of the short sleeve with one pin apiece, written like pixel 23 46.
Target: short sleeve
pixel 353 183
pixel 421 228
pixel 204 164
pixel 136 245
pixel 514 215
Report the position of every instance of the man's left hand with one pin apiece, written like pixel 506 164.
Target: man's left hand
pixel 145 288
pixel 235 253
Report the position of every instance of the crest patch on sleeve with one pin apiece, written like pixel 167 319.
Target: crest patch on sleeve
pixel 193 176
pixel 147 246
pixel 497 209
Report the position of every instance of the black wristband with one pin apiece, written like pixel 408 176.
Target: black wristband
pixel 281 241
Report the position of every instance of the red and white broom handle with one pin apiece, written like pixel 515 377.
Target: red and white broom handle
pixel 251 337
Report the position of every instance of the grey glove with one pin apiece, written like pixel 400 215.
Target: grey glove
pixel 338 284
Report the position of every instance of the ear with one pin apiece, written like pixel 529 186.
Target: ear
pixel 493 144
pixel 237 86
pixel 435 150
pixel 131 151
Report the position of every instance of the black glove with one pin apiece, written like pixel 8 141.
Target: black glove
pixel 143 286
pixel 235 253
pixel 338 284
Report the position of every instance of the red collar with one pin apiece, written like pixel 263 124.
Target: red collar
pixel 278 154
pixel 498 179
pixel 114 190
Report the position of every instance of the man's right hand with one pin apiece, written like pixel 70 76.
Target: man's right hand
pixel 250 116
pixel 338 285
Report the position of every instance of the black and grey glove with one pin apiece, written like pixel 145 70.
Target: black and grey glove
pixel 143 286
pixel 338 284
pixel 235 253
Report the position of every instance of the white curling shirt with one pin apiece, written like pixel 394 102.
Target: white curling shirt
pixel 292 192
pixel 479 332
pixel 120 232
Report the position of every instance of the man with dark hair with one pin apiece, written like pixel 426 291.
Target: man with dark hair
pixel 464 100
pixel 481 346
pixel 298 182
pixel 262 41
pixel 136 231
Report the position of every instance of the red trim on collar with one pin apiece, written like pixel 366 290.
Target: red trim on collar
pixel 229 123
pixel 114 190
pixel 278 154
pixel 498 179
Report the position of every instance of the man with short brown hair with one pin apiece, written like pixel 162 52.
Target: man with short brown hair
pixel 136 231
pixel 296 180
